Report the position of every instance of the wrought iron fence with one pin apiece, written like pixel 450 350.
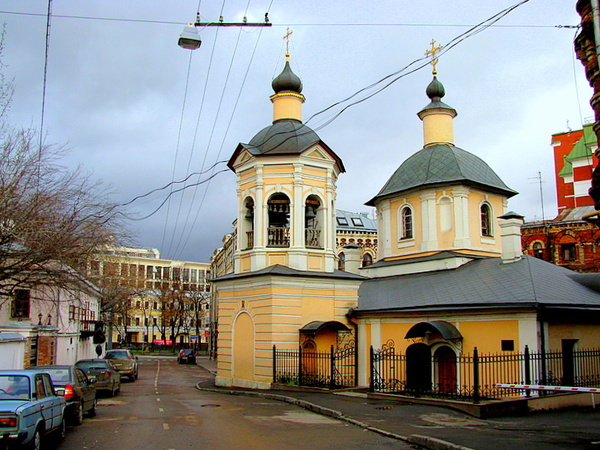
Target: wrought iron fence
pixel 474 376
pixel 305 367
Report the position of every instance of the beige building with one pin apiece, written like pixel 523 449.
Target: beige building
pixel 151 300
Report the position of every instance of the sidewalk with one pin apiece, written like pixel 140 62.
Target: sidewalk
pixel 436 427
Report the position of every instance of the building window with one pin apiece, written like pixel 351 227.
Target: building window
pixel 357 222
pixel 407 223
pixel 538 250
pixel 342 221
pixel 486 220
pixel 20 309
pixel 342 261
pixel 508 345
pixel 568 252
pixel 367 260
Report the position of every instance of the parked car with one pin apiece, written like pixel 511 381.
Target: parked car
pixel 104 372
pixel 78 390
pixel 187 356
pixel 125 363
pixel 29 409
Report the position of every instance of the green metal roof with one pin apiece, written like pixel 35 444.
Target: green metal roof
pixel 566 170
pixel 442 164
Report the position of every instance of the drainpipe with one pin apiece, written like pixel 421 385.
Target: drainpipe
pixel 596 18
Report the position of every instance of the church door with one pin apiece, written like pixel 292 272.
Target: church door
pixel 418 368
pixel 446 369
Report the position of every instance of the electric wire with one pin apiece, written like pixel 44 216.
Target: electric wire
pixel 331 24
pixel 398 75
pixel 200 111
pixel 45 82
pixel 225 134
pixel 185 91
pixel 208 145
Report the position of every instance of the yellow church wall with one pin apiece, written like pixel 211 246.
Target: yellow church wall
pixel 287 106
pixel 587 335
pixel 277 169
pixel 245 263
pixel 315 172
pixel 487 335
pixel 247 174
pixel 492 243
pixel 277 258
pixel 403 246
pixel 278 309
pixel 316 262
pixel 437 128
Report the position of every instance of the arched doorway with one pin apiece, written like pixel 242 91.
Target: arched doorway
pixel 243 348
pixel 445 360
pixel 418 368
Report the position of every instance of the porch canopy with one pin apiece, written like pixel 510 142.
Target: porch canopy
pixel 315 327
pixel 447 330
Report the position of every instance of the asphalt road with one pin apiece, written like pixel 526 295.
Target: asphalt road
pixel 163 410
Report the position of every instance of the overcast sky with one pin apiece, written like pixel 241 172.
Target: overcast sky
pixel 116 94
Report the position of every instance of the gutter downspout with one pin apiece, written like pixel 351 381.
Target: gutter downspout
pixel 596 18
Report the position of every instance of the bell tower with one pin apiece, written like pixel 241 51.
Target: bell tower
pixel 286 189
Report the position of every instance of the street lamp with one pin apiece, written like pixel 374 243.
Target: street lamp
pixel 189 38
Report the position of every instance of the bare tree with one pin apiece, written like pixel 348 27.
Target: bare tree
pixel 51 219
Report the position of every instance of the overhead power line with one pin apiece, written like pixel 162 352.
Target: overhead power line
pixel 295 25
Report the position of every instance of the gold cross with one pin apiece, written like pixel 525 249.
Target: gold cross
pixel 432 52
pixel 287 42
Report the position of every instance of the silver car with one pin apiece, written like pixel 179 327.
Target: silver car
pixel 125 363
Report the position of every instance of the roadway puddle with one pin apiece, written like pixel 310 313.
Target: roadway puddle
pixel 302 417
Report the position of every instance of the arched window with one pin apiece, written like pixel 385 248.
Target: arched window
pixel 367 260
pixel 406 217
pixel 279 221
pixel 341 261
pixel 486 220
pixel 247 224
pixel 538 250
pixel 312 222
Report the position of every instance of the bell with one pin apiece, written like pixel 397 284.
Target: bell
pixel 310 212
pixel 249 214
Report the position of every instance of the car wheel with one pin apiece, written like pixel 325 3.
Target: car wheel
pixel 92 410
pixel 78 414
pixel 36 442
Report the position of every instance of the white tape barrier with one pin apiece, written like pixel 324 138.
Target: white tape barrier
pixel 538 387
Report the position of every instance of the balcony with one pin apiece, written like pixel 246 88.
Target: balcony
pixel 249 240
pixel 313 238
pixel 278 237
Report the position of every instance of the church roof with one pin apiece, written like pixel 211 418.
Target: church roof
pixel 284 137
pixel 483 283
pixel 442 164
pixel 286 271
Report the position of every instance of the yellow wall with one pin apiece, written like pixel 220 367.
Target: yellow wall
pixel 278 307
pixel 588 335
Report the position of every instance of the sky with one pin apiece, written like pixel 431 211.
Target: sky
pixel 138 112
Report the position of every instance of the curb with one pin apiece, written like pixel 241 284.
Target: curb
pixel 424 441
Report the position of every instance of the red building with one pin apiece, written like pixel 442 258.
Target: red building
pixel 568 240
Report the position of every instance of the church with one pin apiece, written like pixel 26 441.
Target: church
pixel 449 276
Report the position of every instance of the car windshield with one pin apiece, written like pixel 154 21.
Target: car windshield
pixel 14 387
pixel 97 365
pixel 186 352
pixel 117 354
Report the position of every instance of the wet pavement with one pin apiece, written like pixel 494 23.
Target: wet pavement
pixel 439 427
